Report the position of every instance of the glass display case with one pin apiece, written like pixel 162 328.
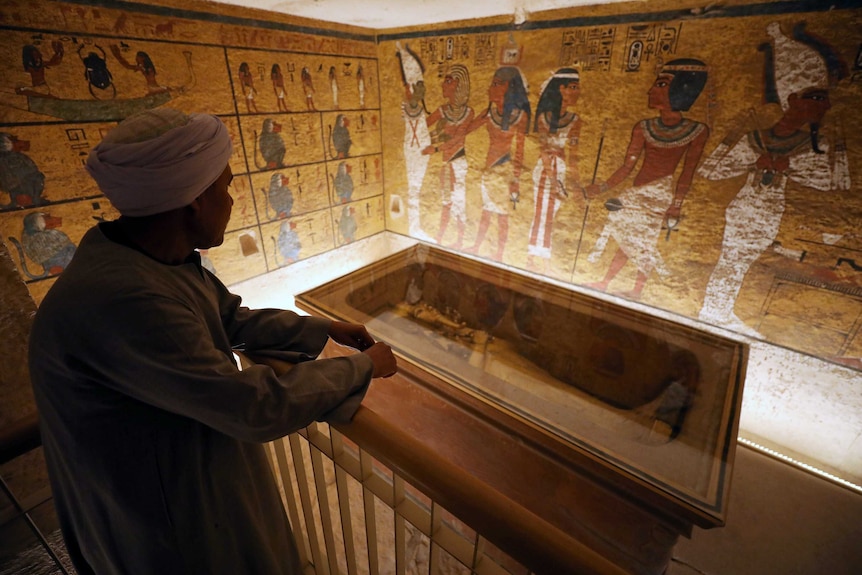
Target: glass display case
pixel 653 400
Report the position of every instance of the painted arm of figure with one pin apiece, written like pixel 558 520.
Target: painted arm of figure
pixel 477 122
pixel 636 146
pixel 58 54
pixel 308 84
pixel 683 184
pixel 728 160
pixel 115 50
pixel 816 170
pixel 734 155
pixel 432 120
pixel 825 170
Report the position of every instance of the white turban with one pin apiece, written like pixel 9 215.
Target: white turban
pixel 159 160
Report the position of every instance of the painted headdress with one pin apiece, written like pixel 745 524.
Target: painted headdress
pixel 800 63
pixel 412 70
pixel 689 79
pixel 550 99
pixel 462 92
pixel 563 75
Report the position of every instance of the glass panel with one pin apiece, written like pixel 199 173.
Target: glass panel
pixel 653 398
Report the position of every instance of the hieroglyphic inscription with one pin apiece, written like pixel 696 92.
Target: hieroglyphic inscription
pixel 588 48
pixel 649 43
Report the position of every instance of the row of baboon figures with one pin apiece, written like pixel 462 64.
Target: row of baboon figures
pixel 800 71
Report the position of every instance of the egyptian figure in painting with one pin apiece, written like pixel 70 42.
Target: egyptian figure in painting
pixel 340 137
pixel 271 145
pixel 347 225
pixel 799 74
pixel 556 172
pixel 44 243
pixel 35 65
pixel 451 123
pixel 277 78
pixel 360 85
pixel 20 177
pixel 416 135
pixel 507 119
pixel 288 243
pixel 246 84
pixel 635 217
pixel 333 86
pixel 143 64
pixel 343 182
pixel 279 197
pixel 308 89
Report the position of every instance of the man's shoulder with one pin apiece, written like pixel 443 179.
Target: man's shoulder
pixel 100 271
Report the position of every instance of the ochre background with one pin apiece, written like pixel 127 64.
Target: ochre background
pixel 814 317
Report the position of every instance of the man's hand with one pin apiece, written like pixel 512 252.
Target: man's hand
pixel 350 334
pixel 384 362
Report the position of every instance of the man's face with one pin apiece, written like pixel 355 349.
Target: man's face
pixel 659 94
pixel 497 91
pixel 214 213
pixel 450 86
pixel 810 105
pixel 569 93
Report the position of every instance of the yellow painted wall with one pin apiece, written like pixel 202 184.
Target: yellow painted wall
pixel 197 51
pixel 800 285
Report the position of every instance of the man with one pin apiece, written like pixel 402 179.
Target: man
pixel 152 434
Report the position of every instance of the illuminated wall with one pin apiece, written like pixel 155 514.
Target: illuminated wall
pixel 300 101
pixel 705 195
pixel 764 238
pixel 682 171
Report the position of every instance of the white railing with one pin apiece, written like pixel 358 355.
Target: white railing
pixel 351 514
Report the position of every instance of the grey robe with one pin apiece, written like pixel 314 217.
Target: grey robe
pixel 152 435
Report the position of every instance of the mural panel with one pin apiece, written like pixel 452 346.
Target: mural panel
pixel 701 162
pixel 698 161
pixel 297 105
